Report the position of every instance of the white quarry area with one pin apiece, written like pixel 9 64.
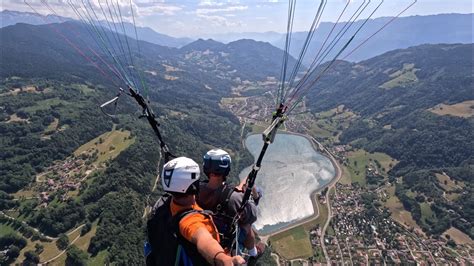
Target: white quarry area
pixel 291 170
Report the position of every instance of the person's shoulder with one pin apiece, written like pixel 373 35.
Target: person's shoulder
pixel 194 219
pixel 237 195
pixel 195 215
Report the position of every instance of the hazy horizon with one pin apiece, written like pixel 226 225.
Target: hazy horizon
pixel 198 19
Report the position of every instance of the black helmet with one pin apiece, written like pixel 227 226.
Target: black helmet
pixel 216 161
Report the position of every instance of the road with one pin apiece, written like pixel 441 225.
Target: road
pixel 349 249
pixel 323 232
pixel 331 185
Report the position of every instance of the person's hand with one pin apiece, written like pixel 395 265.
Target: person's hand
pixel 237 260
pixel 242 186
pixel 226 260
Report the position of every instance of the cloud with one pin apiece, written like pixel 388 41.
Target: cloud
pixel 157 7
pixel 59 7
pixel 219 21
pixel 218 2
pixel 160 9
pixel 140 8
pixel 211 3
pixel 270 3
pixel 225 9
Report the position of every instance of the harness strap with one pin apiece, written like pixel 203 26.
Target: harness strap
pixel 178 255
pixel 185 254
pixel 224 198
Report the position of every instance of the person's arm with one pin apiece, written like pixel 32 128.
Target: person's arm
pixel 212 251
pixel 243 186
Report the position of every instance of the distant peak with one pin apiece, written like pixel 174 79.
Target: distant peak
pixel 202 44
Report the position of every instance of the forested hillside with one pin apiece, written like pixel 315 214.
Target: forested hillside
pixel 403 99
pixel 66 166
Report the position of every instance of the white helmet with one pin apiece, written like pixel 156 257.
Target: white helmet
pixel 180 175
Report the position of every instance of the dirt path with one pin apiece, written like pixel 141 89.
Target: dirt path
pixel 27 225
pixel 77 228
pixel 48 237
pixel 62 252
pixel 276 258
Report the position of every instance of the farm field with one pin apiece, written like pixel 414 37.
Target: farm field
pixel 426 212
pixel 346 176
pixel 50 249
pixel 81 242
pixel 16 91
pixel 108 145
pixel 463 109
pixel 83 88
pixel 402 77
pixel 448 184
pixel 44 105
pixel 458 236
pixel 360 159
pixel 328 124
pixel 398 212
pixel 15 118
pixel 235 100
pixel 293 243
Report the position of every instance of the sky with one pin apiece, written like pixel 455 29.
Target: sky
pixel 188 18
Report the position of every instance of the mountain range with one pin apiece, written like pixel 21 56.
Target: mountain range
pixel 402 33
pixel 57 44
pixel 8 18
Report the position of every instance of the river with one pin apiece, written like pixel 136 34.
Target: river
pixel 291 171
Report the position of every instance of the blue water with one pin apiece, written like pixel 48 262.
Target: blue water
pixel 291 170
